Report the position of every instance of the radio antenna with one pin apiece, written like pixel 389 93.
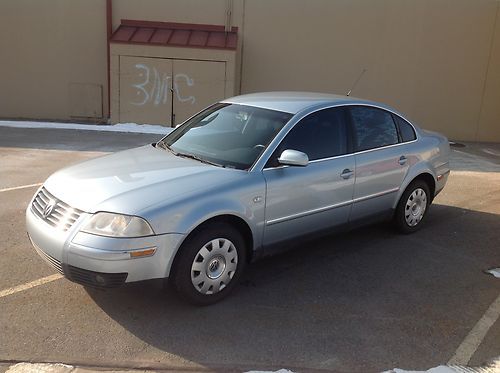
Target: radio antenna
pixel 356 82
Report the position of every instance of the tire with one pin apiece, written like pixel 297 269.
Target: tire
pixel 412 207
pixel 209 264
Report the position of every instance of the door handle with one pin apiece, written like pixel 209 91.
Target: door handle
pixel 346 174
pixel 402 160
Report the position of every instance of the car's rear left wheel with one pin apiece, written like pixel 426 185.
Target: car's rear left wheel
pixel 412 207
pixel 209 265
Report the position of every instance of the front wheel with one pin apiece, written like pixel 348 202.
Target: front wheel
pixel 412 207
pixel 209 265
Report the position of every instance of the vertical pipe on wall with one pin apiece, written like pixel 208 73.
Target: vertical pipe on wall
pixel 241 38
pixel 109 31
pixel 486 75
pixel 229 12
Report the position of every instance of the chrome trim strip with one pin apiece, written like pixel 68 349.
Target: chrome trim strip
pixel 330 207
pixel 306 213
pixel 384 147
pixel 374 195
pixel 313 161
pixel 331 158
pixel 62 217
pixel 417 134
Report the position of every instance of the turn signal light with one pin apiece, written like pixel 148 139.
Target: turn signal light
pixel 142 253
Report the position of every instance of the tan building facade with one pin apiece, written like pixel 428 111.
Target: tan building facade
pixel 438 61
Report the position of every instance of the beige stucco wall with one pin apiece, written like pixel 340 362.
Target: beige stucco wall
pixel 185 11
pixel 436 60
pixel 489 120
pixel 427 58
pixel 53 58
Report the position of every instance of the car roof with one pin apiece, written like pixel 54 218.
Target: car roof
pixel 293 102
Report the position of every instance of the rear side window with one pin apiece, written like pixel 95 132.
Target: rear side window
pixel 405 129
pixel 322 134
pixel 373 128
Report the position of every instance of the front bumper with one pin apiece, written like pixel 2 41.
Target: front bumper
pixel 100 261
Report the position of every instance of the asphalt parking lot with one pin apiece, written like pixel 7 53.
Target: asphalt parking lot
pixel 364 301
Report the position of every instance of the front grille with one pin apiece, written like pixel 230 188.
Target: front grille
pixel 53 211
pixel 53 262
pixel 95 279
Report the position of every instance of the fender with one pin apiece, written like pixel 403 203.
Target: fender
pixel 416 170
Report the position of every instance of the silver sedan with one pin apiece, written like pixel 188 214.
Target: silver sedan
pixel 237 180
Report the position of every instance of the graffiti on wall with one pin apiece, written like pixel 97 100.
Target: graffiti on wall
pixel 155 86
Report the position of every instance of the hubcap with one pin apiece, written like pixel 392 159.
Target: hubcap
pixel 415 207
pixel 214 266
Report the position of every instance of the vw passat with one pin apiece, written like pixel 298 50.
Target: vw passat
pixel 229 184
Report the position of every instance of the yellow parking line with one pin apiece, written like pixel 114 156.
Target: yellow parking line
pixel 20 187
pixel 29 285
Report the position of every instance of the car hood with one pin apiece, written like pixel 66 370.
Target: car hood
pixel 129 181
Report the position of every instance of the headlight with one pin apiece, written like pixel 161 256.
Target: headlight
pixel 116 225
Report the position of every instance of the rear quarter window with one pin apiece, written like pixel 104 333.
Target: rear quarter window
pixel 405 129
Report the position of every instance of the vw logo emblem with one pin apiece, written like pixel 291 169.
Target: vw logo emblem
pixel 49 208
pixel 214 266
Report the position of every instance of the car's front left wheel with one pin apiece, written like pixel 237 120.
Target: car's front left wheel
pixel 209 264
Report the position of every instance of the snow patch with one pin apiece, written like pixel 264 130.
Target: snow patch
pixel 40 368
pixel 268 371
pixel 120 127
pixel 439 369
pixel 491 367
pixel 494 271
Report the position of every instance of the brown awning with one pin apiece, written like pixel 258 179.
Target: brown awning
pixel 175 35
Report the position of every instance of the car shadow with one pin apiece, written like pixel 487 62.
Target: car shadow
pixel 365 300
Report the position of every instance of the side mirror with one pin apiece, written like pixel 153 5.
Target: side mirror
pixel 291 157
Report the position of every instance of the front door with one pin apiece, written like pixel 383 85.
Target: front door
pixel 301 200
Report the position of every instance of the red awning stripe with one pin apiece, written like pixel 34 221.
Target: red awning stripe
pixel 175 34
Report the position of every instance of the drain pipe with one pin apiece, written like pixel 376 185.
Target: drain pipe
pixel 109 31
pixel 229 13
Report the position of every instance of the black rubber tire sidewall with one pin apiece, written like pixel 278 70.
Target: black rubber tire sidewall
pixel 181 273
pixel 399 216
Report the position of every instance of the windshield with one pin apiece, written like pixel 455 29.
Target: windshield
pixel 227 135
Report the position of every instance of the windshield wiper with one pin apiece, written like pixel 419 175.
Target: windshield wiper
pixel 162 145
pixel 195 157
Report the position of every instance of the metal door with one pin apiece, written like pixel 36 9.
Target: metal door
pixel 145 90
pixel 165 91
pixel 196 85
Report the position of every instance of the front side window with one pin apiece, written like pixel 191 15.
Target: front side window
pixel 373 128
pixel 227 135
pixel 322 134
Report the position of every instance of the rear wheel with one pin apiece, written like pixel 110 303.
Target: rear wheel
pixel 209 265
pixel 412 207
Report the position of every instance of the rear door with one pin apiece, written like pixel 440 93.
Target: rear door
pixel 301 200
pixel 381 162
